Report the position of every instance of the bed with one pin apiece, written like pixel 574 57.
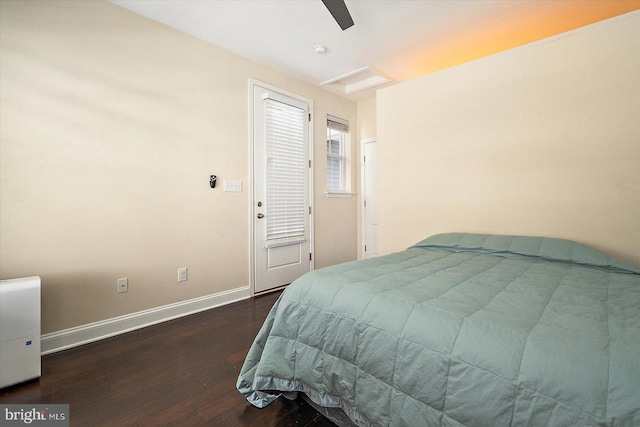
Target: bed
pixel 459 330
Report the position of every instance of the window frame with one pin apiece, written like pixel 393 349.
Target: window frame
pixel 336 124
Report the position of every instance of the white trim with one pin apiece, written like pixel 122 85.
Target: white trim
pixel 252 212
pixel 339 194
pixel 346 183
pixel 73 337
pixel 312 215
pixel 363 211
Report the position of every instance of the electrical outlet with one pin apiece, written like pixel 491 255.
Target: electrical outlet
pixel 123 285
pixel 182 274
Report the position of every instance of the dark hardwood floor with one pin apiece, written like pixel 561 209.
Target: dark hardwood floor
pixel 181 372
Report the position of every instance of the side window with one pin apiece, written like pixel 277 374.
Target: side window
pixel 337 161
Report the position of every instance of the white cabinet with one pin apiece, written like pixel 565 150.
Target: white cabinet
pixel 19 330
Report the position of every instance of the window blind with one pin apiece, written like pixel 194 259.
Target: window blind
pixel 286 209
pixel 338 124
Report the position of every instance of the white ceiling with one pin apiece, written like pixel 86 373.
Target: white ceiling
pixel 402 39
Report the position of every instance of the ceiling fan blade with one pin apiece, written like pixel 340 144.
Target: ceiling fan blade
pixel 339 12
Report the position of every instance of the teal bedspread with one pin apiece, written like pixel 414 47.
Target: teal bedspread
pixel 460 330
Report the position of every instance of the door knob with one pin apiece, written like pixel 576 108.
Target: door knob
pixel 260 216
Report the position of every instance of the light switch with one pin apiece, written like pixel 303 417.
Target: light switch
pixel 232 186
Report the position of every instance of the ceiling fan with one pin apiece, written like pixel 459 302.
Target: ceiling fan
pixel 339 12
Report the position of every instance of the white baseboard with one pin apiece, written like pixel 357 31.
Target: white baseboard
pixel 73 337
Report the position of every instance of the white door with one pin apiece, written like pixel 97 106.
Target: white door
pixel 281 188
pixel 370 161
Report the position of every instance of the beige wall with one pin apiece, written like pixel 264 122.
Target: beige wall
pixel 110 127
pixel 539 140
pixel 367 121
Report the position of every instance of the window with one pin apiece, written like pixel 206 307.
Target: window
pixel 337 136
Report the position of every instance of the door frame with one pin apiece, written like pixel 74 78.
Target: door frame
pixel 252 208
pixel 363 210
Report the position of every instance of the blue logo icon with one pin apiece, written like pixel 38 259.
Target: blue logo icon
pixel 28 343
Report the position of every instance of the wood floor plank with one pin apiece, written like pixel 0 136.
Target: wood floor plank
pixel 178 373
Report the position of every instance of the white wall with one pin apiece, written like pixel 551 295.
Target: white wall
pixel 110 127
pixel 542 140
